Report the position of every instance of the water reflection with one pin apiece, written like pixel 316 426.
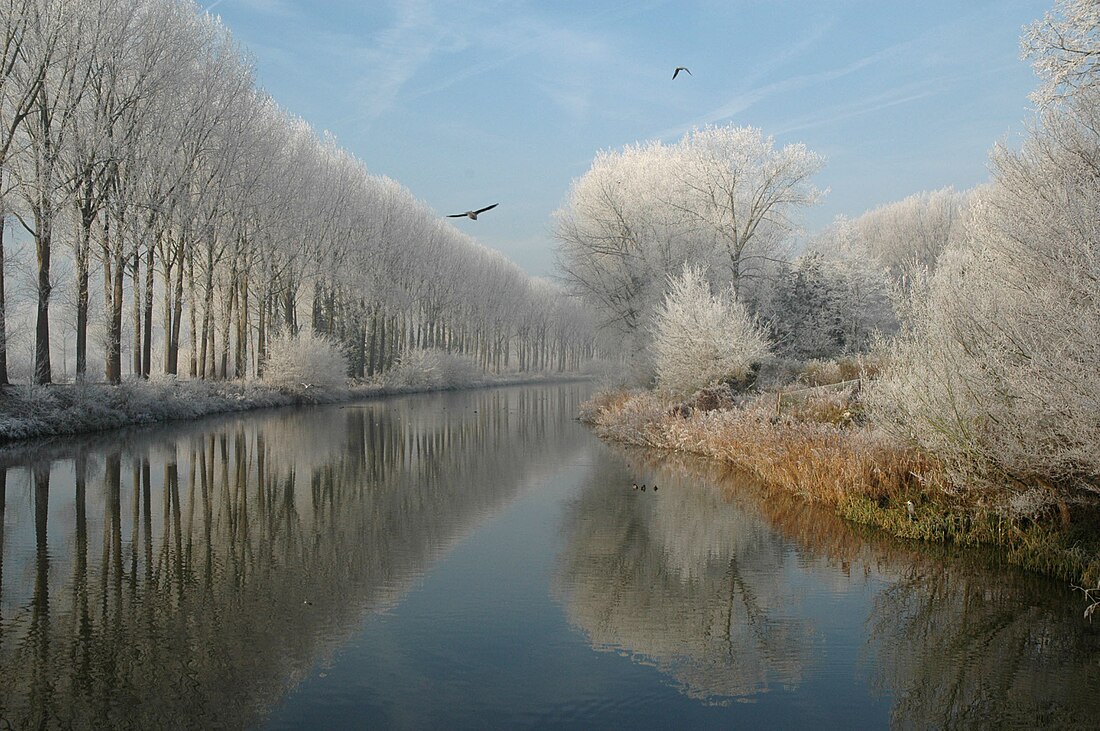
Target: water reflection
pixel 728 588
pixel 961 648
pixel 188 576
pixel 684 580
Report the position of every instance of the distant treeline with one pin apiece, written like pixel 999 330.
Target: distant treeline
pixel 179 216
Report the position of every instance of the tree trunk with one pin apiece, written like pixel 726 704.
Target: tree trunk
pixel 240 364
pixel 172 347
pixel 169 295
pixel 316 317
pixel 290 316
pixel 361 351
pixel 373 346
pixel 83 246
pixel 82 302
pixel 3 307
pixel 42 372
pixel 194 308
pixel 135 314
pixel 261 334
pixel 113 294
pixel 147 341
pixel 207 314
pixel 114 266
pixel 227 325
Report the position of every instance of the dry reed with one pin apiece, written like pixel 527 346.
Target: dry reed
pixel 822 453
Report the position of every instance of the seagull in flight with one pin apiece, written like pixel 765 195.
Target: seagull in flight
pixel 472 214
pixel 679 69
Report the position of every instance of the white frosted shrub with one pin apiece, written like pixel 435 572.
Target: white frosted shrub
pixel 999 375
pixel 701 339
pixel 304 360
pixel 434 368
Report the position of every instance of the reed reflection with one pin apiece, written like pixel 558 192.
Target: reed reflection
pixel 234 556
pixel 955 638
pixel 962 647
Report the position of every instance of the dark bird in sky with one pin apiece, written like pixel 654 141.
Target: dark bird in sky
pixel 473 214
pixel 679 69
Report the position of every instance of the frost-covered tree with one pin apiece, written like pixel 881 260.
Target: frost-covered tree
pixel 741 191
pixel 906 237
pixel 722 197
pixel 1065 49
pixel 803 309
pixel 53 64
pixel 17 96
pixel 701 339
pixel 620 237
pixel 822 307
pixel 133 132
pixel 998 374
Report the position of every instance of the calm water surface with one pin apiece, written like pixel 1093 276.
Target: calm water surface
pixel 479 560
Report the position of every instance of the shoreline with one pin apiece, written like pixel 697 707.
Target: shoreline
pixel 38 412
pixel 860 475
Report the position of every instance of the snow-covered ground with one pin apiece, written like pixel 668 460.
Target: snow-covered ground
pixel 39 411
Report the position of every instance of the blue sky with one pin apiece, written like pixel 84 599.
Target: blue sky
pixel 471 103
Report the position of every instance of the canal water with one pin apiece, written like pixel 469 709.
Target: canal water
pixel 481 560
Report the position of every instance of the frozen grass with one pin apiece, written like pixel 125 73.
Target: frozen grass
pixel 37 411
pixel 811 453
pixel 28 412
pixel 864 474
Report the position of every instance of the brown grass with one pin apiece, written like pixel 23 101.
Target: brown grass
pixel 812 454
pixel 817 453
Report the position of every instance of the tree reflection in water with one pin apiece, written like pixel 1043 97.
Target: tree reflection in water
pixel 234 553
pixel 685 580
pixel 697 580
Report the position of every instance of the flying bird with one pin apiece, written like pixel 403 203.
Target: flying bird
pixel 473 214
pixel 679 69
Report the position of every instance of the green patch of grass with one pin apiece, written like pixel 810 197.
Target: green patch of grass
pixel 1070 553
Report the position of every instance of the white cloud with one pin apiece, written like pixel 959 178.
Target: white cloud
pixel 397 53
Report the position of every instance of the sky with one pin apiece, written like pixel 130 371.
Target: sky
pixel 471 103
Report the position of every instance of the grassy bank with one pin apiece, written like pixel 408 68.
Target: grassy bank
pixel 821 452
pixel 33 412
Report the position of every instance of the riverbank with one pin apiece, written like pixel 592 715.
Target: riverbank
pixel 34 412
pixel 823 453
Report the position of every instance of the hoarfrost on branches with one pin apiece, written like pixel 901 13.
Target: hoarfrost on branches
pixel 701 339
pixel 304 360
pixel 1065 49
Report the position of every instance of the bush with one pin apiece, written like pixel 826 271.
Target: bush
pixel 433 368
pixel 998 375
pixel 702 339
pixel 304 360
